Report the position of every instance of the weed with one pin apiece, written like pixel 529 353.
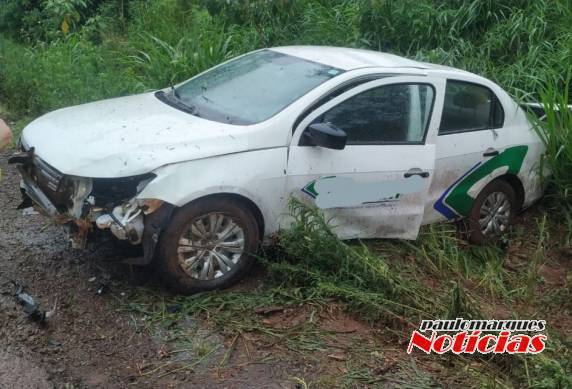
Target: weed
pixel 460 304
pixel 537 260
pixel 353 273
pixel 301 383
pixel 442 251
pixel 492 278
pixel 554 130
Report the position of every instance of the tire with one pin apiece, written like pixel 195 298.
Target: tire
pixel 187 271
pixel 497 195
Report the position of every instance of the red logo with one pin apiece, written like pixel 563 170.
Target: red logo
pixel 469 336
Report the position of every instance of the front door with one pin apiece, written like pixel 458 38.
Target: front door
pixel 377 185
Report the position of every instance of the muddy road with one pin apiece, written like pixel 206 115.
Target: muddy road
pixel 87 343
pixel 99 340
pixel 93 340
pixel 90 342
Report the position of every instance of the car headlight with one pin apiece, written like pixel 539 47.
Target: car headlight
pixel 113 191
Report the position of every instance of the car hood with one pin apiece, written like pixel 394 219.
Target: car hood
pixel 127 136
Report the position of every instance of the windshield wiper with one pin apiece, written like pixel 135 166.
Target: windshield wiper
pixel 175 92
pixel 174 101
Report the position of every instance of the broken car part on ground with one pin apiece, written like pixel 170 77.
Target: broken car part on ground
pixel 201 173
pixel 29 305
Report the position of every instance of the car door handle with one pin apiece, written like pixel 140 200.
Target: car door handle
pixel 416 172
pixel 490 152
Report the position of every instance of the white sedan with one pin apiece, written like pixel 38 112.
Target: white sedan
pixel 201 173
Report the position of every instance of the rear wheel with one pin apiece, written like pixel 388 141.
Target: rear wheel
pixel 492 213
pixel 208 245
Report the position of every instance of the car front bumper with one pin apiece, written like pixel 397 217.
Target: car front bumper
pixel 69 201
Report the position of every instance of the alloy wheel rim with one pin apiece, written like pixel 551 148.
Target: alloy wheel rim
pixel 494 215
pixel 210 246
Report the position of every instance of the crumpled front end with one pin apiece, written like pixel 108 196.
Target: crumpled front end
pixel 84 204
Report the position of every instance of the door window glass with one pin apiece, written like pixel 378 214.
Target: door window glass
pixel 470 107
pixel 396 113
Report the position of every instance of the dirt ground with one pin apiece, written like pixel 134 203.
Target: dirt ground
pixel 94 341
pixel 87 343
pixel 91 342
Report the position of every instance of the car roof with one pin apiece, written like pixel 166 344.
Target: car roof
pixel 350 59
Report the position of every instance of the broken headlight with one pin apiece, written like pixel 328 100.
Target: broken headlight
pixel 109 191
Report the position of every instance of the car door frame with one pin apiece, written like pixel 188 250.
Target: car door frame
pixel 413 148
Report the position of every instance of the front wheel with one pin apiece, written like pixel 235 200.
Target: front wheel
pixel 208 245
pixel 492 213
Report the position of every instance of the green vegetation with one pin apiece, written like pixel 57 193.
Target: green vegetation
pixel 51 50
pixel 56 53
pixel 557 137
pixel 392 286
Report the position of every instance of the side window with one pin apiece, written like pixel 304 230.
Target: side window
pixel 396 113
pixel 335 93
pixel 470 107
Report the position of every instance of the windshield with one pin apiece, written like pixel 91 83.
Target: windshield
pixel 252 88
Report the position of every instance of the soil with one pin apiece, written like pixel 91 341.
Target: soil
pixel 92 342
pixel 86 343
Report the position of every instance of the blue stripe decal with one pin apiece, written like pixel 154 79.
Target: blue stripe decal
pixel 440 207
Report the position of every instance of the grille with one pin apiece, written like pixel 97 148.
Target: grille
pixel 46 176
pixel 51 182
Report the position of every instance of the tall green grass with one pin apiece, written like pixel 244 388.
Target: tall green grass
pixel 391 285
pixel 140 45
pixel 366 280
pixel 555 130
pixel 51 76
pixel 157 63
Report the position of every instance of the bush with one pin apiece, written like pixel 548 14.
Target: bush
pixel 556 134
pixel 56 75
pixel 141 45
pixel 161 59
pixel 318 261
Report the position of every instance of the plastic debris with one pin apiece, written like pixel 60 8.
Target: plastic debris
pixel 31 308
pixel 102 289
pixel 29 211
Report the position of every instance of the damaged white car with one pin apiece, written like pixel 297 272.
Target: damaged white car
pixel 201 173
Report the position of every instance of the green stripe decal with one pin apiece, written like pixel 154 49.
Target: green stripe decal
pixel 459 199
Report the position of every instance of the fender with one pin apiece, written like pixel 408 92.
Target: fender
pixel 258 175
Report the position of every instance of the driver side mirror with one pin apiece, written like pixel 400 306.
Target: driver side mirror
pixel 324 135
